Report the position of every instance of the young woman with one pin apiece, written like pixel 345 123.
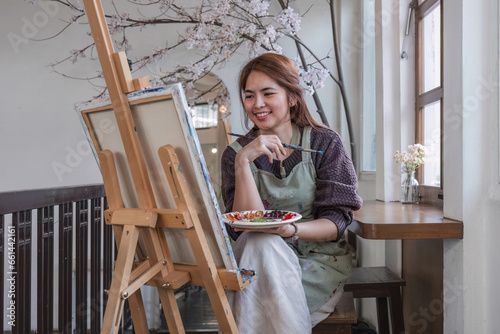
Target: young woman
pixel 301 267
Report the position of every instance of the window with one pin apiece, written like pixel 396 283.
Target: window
pixel 205 115
pixel 368 160
pixel 429 89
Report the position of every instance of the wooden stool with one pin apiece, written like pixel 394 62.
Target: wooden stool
pixel 383 284
pixel 341 319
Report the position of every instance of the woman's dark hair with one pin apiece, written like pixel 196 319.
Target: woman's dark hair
pixel 282 70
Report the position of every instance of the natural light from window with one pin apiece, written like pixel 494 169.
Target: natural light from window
pixel 432 140
pixel 431 45
pixel 430 90
pixel 204 115
pixel 368 160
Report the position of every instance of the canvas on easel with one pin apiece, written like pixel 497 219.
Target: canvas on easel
pixel 161 116
pixel 165 218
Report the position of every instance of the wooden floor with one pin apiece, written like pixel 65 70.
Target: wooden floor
pixel 196 312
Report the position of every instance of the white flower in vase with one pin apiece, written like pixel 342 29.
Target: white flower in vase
pixel 410 162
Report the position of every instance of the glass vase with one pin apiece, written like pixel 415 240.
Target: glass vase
pixel 409 187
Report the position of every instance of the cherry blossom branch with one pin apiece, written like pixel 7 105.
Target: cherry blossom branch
pixel 215 31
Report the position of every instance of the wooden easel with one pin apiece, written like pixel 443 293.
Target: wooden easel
pixel 147 223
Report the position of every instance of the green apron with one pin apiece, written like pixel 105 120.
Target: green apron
pixel 325 265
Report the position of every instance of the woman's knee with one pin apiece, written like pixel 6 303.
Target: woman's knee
pixel 262 246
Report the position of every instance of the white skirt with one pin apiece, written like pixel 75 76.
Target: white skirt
pixel 275 303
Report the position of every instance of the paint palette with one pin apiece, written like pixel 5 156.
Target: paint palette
pixel 260 218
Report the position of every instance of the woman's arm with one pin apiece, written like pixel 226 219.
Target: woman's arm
pixel 246 194
pixel 239 190
pixel 314 230
pixel 336 182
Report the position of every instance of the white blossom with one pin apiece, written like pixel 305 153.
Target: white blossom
pixel 258 7
pixel 118 22
pixel 197 69
pixel 411 160
pixel 124 44
pixel 248 29
pixel 158 54
pixel 75 54
pixel 309 90
pixel 156 82
pixel 221 8
pixel 207 17
pixel 290 20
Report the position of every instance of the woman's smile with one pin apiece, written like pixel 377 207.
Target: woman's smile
pixel 262 114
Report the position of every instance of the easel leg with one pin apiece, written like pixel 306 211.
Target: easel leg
pixel 212 282
pixel 171 310
pixel 167 296
pixel 121 278
pixel 138 313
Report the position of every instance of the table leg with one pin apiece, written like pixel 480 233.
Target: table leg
pixel 398 324
pixel 382 315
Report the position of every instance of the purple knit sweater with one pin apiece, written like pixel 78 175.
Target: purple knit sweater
pixel 336 181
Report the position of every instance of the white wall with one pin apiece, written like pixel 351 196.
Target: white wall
pixel 471 145
pixel 43 144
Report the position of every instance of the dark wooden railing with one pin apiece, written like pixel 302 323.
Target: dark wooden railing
pixel 54 246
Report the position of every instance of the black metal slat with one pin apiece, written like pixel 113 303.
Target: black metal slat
pixel 22 272
pixel 45 268
pixel 65 259
pixel 20 205
pixel 107 270
pixel 21 251
pixel 126 324
pixel 82 216
pixel 95 264
pixel 2 236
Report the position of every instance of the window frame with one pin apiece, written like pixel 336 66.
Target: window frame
pixel 428 194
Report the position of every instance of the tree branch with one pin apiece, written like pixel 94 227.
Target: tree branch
pixel 342 87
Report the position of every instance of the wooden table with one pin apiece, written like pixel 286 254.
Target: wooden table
pixel 412 223
pixel 393 220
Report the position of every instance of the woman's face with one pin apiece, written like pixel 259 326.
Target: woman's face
pixel 266 103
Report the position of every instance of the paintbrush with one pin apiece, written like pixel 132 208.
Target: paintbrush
pixel 295 147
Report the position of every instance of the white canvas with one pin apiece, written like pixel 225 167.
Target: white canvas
pixel 166 120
